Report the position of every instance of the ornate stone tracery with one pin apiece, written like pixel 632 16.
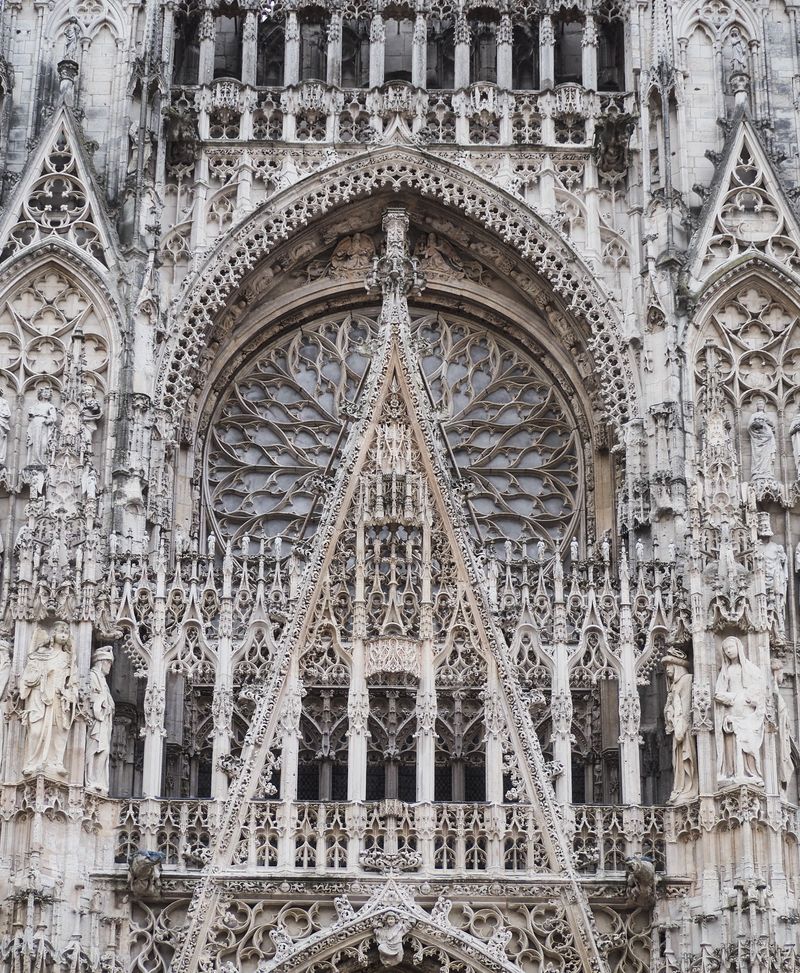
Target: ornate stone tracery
pixel 448 622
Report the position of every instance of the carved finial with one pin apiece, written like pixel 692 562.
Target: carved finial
pixel 394 273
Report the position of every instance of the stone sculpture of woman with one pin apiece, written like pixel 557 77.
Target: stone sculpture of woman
pixel 678 722
pixel 48 692
pixel 740 700
pixel 101 702
pixel 762 445
pixel 42 419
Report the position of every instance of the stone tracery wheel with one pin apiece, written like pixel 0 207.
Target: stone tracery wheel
pixel 281 422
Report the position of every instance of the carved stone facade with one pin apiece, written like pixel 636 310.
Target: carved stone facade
pixel 399 486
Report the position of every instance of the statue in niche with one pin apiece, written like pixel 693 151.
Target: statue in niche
pixel 42 420
pixel 91 412
pixel 47 689
pixel 5 665
pixel 5 425
pixel 740 705
pixel 762 445
pixel 783 727
pixel 389 937
pixel 72 39
pixel 101 703
pixel 739 53
pixel 794 435
pixel 678 723
pixel 775 572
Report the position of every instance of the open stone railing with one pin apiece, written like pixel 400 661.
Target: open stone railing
pixel 313 112
pixel 328 836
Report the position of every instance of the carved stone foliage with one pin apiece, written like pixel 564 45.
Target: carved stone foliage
pixel 280 424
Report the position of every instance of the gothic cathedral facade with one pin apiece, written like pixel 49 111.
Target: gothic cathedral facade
pixel 399 486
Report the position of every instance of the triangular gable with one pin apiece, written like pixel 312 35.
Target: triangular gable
pixel 393 471
pixel 747 210
pixel 57 199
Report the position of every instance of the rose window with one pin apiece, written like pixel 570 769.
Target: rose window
pixel 282 423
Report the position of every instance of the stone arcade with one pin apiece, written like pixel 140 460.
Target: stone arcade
pixel 399 486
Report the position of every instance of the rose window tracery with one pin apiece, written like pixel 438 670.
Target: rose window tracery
pixel 282 422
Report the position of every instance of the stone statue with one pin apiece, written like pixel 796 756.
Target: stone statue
pixel 794 435
pixel 678 722
pixel 72 39
pixel 776 574
pixel 144 872
pixel 101 703
pixel 5 425
pixel 389 939
pixel 640 881
pixel 42 419
pixel 47 689
pixel 783 728
pixel 740 699
pixel 762 445
pixel 91 413
pixel 5 665
pixel 739 54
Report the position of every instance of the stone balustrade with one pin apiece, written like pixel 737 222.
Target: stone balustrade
pixel 328 836
pixel 312 112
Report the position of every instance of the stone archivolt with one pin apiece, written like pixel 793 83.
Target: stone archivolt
pixel 447 623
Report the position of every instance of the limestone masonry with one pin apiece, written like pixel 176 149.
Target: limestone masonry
pixel 399 486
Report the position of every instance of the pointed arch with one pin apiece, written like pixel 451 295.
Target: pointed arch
pixel 195 315
pixel 57 201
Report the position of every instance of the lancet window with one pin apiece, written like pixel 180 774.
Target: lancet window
pixel 355 52
pixel 313 45
pixel 483 46
pixel 228 46
pixel 568 29
pixel 525 56
pixel 441 53
pixel 398 46
pixel 270 41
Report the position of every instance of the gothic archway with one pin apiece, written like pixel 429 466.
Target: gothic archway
pixel 195 316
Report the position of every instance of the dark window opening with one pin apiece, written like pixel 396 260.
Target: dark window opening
pixel 270 46
pixel 392 747
pixel 578 780
pixel 322 757
pixel 313 49
pixel 398 49
pixel 611 56
pixel 228 47
pixel 525 58
pixel 460 768
pixel 483 50
pixel 441 58
pixel 186 62
pixel 569 51
pixel 355 53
